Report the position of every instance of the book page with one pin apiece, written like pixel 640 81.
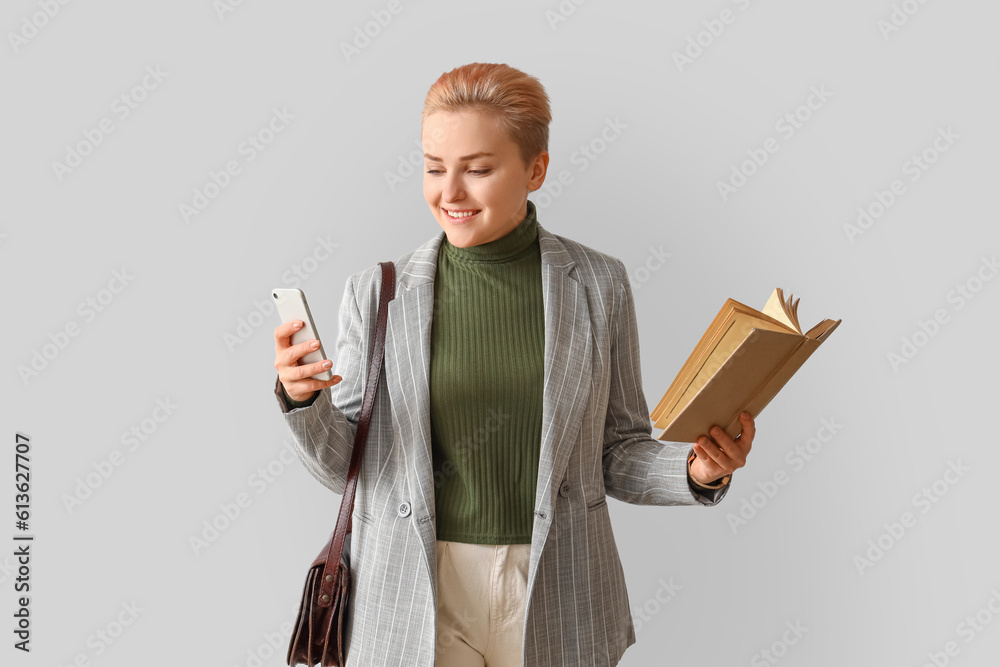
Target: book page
pixel 785 312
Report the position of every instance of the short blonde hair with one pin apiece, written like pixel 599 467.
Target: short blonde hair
pixel 515 101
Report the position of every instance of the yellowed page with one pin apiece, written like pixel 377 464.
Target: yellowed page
pixel 776 308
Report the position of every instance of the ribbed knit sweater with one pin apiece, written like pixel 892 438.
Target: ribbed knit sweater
pixel 486 377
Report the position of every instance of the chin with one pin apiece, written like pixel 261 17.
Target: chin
pixel 460 240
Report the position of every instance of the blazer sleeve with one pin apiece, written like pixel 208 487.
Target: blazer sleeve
pixel 639 469
pixel 323 428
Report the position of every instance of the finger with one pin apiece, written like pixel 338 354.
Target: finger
pixel 307 383
pixel 311 384
pixel 302 349
pixel 283 334
pixel 710 466
pixel 308 370
pixel 712 452
pixel 303 386
pixel 292 355
pixel 730 448
pixel 304 372
pixel 746 436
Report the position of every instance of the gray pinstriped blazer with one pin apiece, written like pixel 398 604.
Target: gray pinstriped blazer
pixel 596 442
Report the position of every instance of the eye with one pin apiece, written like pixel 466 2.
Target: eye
pixel 433 171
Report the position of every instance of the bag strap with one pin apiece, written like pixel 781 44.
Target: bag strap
pixel 335 548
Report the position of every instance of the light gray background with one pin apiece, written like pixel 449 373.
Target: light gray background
pixel 162 337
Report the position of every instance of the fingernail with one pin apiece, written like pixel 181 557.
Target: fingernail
pixel 745 415
pixel 327 364
pixel 716 431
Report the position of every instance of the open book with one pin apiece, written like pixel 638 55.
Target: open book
pixel 741 362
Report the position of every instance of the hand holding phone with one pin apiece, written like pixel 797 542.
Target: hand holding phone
pixel 299 357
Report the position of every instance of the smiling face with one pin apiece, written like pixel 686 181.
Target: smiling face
pixel 474 180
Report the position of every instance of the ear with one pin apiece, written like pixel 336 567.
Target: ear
pixel 539 168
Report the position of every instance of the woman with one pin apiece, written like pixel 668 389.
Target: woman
pixel 510 406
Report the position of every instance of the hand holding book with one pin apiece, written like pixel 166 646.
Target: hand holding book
pixel 719 455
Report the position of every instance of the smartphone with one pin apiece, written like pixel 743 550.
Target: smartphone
pixel 291 305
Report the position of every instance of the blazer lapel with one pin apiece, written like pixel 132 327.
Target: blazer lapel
pixel 567 372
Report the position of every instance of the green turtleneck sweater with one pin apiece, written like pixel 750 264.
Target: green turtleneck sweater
pixel 486 377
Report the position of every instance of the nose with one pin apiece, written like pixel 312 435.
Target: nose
pixel 453 190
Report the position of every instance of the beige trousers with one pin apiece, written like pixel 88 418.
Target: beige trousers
pixel 481 603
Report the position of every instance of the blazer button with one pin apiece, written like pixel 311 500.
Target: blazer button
pixel 404 509
pixel 564 489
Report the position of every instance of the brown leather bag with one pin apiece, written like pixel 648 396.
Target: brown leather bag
pixel 317 638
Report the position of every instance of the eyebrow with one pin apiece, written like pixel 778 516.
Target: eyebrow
pixel 464 158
